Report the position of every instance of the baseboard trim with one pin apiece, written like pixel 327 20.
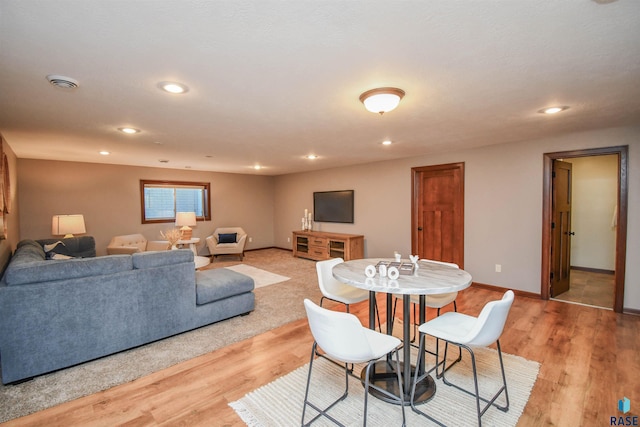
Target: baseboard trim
pixel 593 270
pixel 502 290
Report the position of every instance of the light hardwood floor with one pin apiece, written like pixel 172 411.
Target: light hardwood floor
pixel 590 359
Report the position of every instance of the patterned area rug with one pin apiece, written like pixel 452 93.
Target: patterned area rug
pixel 260 277
pixel 280 402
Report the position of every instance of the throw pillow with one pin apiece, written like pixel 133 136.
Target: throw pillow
pixel 50 251
pixel 227 238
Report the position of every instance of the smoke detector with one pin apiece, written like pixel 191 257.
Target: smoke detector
pixel 62 81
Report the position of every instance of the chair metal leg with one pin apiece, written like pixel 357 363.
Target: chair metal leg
pixel 491 401
pixel 417 378
pixel 321 412
pixel 367 385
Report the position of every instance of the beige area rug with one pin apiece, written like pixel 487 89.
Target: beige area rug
pixel 261 278
pixel 280 402
pixel 275 306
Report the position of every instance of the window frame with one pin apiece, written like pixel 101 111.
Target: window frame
pixel 206 186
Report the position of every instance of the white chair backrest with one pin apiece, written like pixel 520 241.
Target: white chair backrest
pixel 450 264
pixel 490 322
pixel 227 230
pixel 137 240
pixel 339 334
pixel 329 285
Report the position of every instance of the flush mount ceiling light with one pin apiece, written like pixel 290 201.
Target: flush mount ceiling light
pixel 382 100
pixel 553 110
pixel 62 81
pixel 129 131
pixel 173 87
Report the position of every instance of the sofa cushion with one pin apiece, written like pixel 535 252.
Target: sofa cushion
pixel 220 283
pixel 22 273
pixel 160 258
pixel 227 237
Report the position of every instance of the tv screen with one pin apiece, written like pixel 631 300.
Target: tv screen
pixel 333 206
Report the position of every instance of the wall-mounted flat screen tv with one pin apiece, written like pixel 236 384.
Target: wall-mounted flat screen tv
pixel 333 206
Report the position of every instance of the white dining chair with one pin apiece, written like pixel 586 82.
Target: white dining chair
pixel 343 338
pixel 335 290
pixel 469 332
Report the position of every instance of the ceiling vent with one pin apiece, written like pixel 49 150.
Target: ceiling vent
pixel 62 81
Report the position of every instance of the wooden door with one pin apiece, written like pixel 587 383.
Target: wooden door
pixel 438 213
pixel 561 228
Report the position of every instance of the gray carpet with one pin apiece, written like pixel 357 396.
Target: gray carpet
pixel 276 305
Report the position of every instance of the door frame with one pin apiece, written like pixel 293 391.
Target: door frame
pixel 621 230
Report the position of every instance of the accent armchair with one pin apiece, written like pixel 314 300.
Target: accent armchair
pixel 227 241
pixel 132 243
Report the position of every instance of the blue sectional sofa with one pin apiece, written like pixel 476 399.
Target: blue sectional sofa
pixel 59 313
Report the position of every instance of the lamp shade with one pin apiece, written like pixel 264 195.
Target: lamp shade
pixel 185 219
pixel 382 100
pixel 67 225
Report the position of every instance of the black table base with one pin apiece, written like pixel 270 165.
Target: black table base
pixel 384 376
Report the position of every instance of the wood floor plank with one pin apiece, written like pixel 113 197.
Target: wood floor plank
pixel 589 360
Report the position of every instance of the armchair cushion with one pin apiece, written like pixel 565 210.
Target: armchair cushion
pixel 227 238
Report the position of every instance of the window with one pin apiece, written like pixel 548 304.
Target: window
pixel 161 200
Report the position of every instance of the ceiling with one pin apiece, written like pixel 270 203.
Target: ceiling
pixel 273 81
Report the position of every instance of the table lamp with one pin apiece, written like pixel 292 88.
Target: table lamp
pixel 186 220
pixel 67 225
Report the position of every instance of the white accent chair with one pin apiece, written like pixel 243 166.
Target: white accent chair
pixel 335 290
pixel 222 242
pixel 132 243
pixel 343 338
pixel 469 332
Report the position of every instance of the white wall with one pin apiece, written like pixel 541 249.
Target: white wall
pixel 594 199
pixel 503 205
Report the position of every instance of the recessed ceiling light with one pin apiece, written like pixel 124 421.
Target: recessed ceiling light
pixel 553 110
pixel 129 131
pixel 173 87
pixel 104 153
pixel 387 142
pixel 311 157
pixel 62 81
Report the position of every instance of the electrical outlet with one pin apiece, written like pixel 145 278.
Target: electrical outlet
pixel 498 268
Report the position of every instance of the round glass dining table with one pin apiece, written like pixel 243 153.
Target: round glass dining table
pixel 425 278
